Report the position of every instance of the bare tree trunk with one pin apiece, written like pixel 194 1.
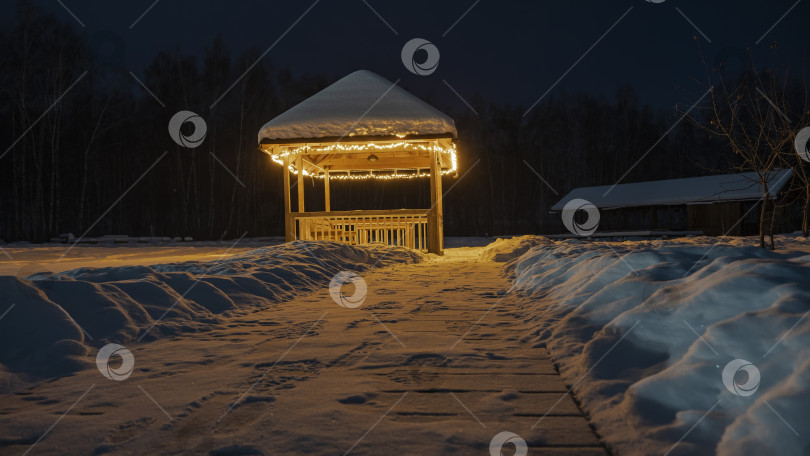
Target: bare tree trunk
pixel 805 211
pixel 773 219
pixel 763 211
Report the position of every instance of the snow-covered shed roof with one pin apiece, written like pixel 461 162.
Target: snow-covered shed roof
pixel 672 192
pixel 360 104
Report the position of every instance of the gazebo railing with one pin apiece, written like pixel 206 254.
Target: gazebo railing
pixel 403 227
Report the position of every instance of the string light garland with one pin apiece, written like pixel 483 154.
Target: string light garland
pixel 333 148
pixel 377 176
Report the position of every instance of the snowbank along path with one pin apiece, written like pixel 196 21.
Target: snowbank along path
pixel 691 346
pixel 432 362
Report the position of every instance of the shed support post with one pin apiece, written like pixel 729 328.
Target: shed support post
pixel 289 228
pixel 436 213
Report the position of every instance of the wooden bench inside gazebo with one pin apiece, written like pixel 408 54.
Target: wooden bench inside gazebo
pixel 363 127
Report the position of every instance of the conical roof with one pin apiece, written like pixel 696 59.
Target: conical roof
pixel 360 104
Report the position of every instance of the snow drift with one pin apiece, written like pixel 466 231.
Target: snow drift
pixel 644 330
pixel 56 318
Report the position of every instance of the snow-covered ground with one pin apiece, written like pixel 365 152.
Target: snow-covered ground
pixel 77 309
pixel 424 366
pixel 647 332
pixel 26 259
pixel 642 331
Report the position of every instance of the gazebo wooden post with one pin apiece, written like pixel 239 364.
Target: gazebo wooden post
pixel 326 196
pixel 300 165
pixel 289 230
pixel 327 206
pixel 436 214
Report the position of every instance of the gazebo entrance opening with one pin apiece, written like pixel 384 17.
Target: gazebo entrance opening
pixel 425 157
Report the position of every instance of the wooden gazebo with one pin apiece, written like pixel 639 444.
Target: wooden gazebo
pixel 364 127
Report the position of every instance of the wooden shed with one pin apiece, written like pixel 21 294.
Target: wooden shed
pixel 363 127
pixel 713 205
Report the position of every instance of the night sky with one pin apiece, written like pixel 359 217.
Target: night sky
pixel 506 51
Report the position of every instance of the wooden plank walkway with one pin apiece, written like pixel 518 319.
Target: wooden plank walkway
pixel 428 384
pixel 434 362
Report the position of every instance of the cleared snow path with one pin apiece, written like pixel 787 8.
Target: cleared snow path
pixel 408 372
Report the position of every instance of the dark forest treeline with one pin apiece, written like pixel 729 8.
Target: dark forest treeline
pixel 72 164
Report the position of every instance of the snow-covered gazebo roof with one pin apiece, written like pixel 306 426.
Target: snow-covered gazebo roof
pixel 364 124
